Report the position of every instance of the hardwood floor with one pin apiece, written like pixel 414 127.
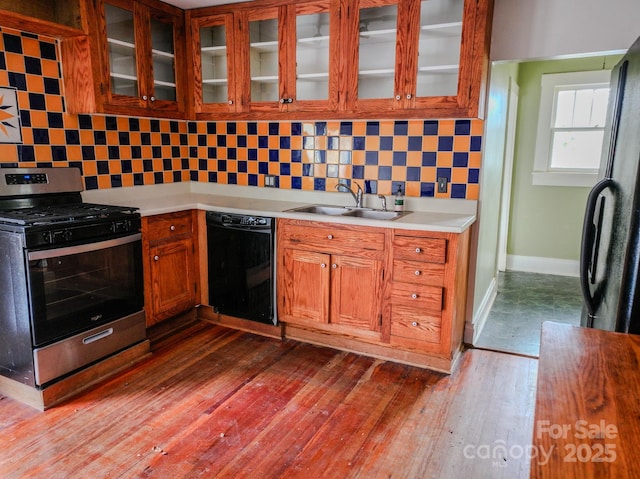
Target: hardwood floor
pixel 222 403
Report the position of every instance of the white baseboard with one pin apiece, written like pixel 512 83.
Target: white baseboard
pixel 535 264
pixel 472 331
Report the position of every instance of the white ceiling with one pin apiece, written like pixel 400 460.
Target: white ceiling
pixel 188 4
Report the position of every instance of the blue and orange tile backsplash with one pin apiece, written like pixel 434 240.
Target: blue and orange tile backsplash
pixel 115 151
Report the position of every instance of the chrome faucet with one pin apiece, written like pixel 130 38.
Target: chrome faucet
pixel 383 202
pixel 356 196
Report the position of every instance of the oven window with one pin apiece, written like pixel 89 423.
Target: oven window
pixel 71 293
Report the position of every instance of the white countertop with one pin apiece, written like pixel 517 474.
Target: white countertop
pixel 444 215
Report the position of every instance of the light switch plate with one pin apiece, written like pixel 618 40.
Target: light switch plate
pixel 442 184
pixel 270 181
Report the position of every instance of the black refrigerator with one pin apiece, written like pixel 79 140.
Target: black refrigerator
pixel 610 249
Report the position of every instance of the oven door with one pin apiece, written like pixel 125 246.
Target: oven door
pixel 76 288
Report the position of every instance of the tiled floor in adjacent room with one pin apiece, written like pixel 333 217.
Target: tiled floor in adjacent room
pixel 523 302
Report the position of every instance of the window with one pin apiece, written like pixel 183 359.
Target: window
pixel 573 109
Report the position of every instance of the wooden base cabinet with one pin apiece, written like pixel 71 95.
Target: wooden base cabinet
pixel 330 277
pixel 390 293
pixel 426 294
pixel 170 264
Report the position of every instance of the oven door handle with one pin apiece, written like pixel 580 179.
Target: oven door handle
pixel 82 248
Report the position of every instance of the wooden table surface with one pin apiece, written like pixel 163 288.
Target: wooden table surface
pixel 587 417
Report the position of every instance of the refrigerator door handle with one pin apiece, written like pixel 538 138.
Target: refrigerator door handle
pixel 589 247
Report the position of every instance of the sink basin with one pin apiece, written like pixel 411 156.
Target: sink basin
pixel 323 210
pixel 374 214
pixel 366 213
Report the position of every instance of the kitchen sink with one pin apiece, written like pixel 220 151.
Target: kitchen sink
pixel 374 214
pixel 322 210
pixel 367 213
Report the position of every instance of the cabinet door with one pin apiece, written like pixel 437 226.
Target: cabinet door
pixel 445 71
pixel 214 66
pixel 311 38
pixel 141 52
pixel 304 287
pixel 262 67
pixel 172 279
pixel 356 288
pixel 370 55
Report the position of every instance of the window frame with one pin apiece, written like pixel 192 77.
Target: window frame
pixel 543 174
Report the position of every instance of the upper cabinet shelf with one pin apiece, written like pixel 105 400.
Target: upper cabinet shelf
pixel 341 59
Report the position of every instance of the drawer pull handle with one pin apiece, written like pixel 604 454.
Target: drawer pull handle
pixel 418 250
pixel 414 296
pixel 330 237
pixel 172 228
pixel 323 265
pixel 334 266
pixel 156 258
pixel 414 324
pixel 417 273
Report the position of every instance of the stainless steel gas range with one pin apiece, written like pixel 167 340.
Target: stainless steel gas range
pixel 71 288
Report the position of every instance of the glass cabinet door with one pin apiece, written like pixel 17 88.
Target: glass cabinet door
pixel 121 45
pixel 264 57
pixel 377 52
pixel 312 56
pixel 439 48
pixel 163 55
pixel 213 63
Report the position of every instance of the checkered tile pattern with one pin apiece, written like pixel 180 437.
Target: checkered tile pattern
pixel 120 151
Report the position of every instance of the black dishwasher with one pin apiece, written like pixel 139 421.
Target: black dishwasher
pixel 241 266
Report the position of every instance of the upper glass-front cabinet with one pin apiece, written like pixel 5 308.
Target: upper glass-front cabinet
pixel 123 71
pixel 409 53
pixel 346 59
pixel 264 57
pixel 312 54
pixel 377 32
pixel 164 64
pixel 214 82
pixel 141 48
pixel 439 48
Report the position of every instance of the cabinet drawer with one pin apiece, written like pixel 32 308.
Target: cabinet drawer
pixel 169 226
pixel 411 323
pixel 432 250
pixel 416 272
pixel 423 297
pixel 332 239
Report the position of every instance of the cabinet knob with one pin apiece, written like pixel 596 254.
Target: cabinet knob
pixel 398 97
pixel 145 97
pixel 286 100
pixel 409 96
pixel 153 98
pixel 230 102
pixel 329 236
pixel 323 265
pixel 417 273
pixel 334 266
pixel 156 258
pixel 418 250
pixel 414 324
pixel 414 296
pixel 172 228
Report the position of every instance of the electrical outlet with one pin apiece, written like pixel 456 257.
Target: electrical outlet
pixel 270 181
pixel 442 184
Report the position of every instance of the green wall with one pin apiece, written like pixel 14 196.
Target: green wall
pixel 545 221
